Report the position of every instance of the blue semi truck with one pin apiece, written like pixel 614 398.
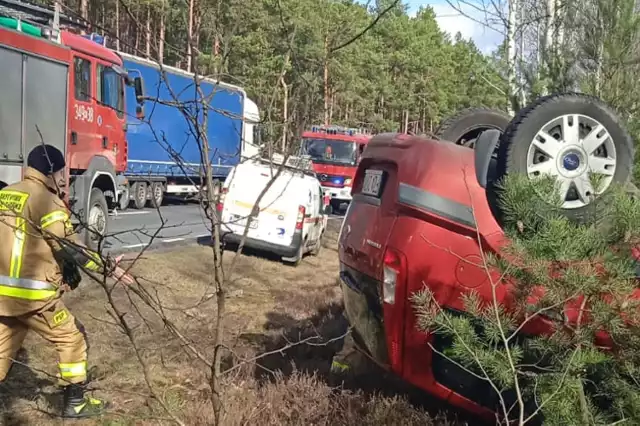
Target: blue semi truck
pixel 162 155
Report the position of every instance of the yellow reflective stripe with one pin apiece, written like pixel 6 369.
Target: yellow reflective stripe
pixel 23 293
pixel 53 217
pixel 74 369
pixel 13 200
pixel 19 235
pixel 335 365
pixel 92 266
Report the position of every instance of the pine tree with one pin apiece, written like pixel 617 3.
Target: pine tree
pixel 565 339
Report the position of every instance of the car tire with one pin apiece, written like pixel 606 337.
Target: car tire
pixel 465 126
pixel 139 195
pixel 297 259
pixel 97 219
pixel 156 195
pixel 554 115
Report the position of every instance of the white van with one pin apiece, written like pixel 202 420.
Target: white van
pixel 292 216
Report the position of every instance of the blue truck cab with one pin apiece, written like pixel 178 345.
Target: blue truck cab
pixel 163 155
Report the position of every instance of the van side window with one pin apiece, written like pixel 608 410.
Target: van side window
pixel 321 201
pixel 110 89
pixel 82 79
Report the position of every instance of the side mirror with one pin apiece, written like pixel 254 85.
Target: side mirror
pixel 139 112
pixel 484 162
pixel 139 88
pixel 327 210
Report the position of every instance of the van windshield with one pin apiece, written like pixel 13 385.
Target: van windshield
pixel 327 151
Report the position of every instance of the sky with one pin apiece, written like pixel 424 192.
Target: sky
pixel 453 21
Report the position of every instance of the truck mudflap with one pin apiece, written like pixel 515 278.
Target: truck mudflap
pixel 363 309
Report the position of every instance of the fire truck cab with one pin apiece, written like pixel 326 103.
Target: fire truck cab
pixel 335 153
pixel 65 90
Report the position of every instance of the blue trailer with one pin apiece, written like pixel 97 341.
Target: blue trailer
pixel 163 156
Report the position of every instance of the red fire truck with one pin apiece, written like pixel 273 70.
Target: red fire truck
pixel 67 91
pixel 335 153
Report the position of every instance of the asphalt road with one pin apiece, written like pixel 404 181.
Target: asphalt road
pixel 173 224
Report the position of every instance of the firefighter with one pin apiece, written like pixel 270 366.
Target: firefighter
pixel 39 260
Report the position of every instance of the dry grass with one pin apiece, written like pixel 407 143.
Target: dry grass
pixel 269 304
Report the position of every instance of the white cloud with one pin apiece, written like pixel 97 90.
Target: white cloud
pixel 452 21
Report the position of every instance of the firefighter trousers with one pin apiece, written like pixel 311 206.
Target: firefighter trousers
pixel 57 326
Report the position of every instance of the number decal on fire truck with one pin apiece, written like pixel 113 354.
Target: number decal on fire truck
pixel 84 113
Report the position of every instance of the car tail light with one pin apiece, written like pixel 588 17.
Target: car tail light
pixel 300 219
pixel 220 204
pixel 392 272
pixel 394 277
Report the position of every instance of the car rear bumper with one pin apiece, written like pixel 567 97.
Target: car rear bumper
pixel 363 309
pixel 278 249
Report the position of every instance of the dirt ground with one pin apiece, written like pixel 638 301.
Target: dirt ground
pixel 270 305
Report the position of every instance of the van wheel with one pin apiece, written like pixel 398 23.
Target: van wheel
pixel 464 127
pixel 297 259
pixel 572 137
pixel 139 195
pixel 97 218
pixel 157 194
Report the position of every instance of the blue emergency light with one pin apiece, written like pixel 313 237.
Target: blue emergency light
pixel 97 38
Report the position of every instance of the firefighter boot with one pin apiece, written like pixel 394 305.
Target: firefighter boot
pixel 78 405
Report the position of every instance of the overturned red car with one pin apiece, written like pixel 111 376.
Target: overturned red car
pixel 409 186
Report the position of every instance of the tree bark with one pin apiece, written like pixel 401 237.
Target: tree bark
pixel 326 80
pixel 285 112
pixel 118 25
pixel 147 47
pixel 161 35
pixel 190 34
pixel 512 22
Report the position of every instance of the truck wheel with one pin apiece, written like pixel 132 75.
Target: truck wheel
pixel 125 198
pixel 297 259
pixel 570 136
pixel 139 195
pixel 97 218
pixel 464 127
pixel 157 194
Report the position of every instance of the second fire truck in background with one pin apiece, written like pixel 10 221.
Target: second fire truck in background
pixel 335 153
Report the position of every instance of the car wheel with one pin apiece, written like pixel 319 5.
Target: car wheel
pixel 97 218
pixel 139 195
pixel 464 127
pixel 569 136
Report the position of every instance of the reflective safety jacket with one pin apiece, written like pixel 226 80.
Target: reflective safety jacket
pixel 37 237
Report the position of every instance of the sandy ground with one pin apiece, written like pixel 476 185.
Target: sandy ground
pixel 269 306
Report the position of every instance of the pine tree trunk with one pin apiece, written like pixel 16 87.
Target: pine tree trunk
pixel 190 33
pixel 147 34
pixel 326 80
pixel 84 9
pixel 285 112
pixel 118 25
pixel 512 22
pixel 137 29
pixel 161 35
